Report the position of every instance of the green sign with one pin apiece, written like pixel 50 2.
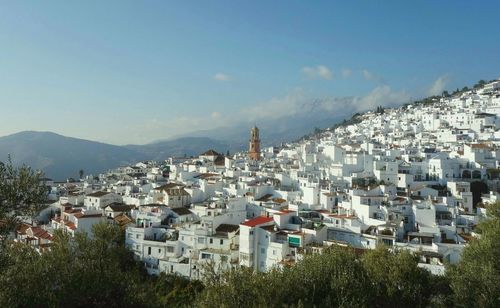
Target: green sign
pixel 294 241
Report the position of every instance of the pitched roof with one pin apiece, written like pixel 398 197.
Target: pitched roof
pixel 41 233
pixel 118 207
pixel 84 215
pixel 226 228
pixel 182 211
pixel 176 192
pixel 266 197
pixel 210 153
pixel 122 219
pixel 220 161
pixel 257 221
pixel 98 194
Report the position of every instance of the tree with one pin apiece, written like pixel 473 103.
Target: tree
pixel 331 279
pixel 77 272
pixel 176 291
pixel 396 279
pixel 445 94
pixel 81 173
pixel 22 193
pixel 475 281
pixel 479 84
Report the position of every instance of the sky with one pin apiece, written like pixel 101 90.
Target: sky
pixel 131 72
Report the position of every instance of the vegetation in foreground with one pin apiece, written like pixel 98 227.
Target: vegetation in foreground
pixel 101 272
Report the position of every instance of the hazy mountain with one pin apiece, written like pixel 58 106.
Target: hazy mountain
pixel 189 146
pixel 277 129
pixel 62 157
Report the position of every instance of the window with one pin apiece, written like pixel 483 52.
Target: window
pixel 201 240
pixel 170 249
pixel 137 236
pixel 222 242
pixel 387 242
pixel 274 252
pixel 251 232
pixel 211 241
pixel 149 250
pixel 159 250
pixel 205 256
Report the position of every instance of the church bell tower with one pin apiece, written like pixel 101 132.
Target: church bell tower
pixel 254 147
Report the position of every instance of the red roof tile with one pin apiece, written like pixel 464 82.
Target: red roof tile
pixel 257 221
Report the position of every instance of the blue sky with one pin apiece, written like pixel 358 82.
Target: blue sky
pixel 137 71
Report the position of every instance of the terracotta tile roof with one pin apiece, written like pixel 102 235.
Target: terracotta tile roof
pixel 122 219
pixel 22 229
pixel 226 228
pixel 210 153
pixel 220 161
pixel 98 194
pixel 118 207
pixel 41 233
pixel 265 198
pixel 72 211
pixel 479 146
pixel 182 211
pixel 71 225
pixel 257 221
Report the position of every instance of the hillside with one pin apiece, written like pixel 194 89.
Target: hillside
pixel 61 157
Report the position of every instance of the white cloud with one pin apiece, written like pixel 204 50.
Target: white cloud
pixel 318 72
pixel 346 72
pixel 295 103
pixel 370 76
pixel 222 77
pixel 381 96
pixel 276 107
pixel 438 86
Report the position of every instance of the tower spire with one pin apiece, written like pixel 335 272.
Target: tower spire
pixel 254 146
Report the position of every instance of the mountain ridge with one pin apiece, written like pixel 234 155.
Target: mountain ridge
pixel 61 157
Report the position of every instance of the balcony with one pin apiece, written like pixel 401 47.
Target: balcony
pixel 387 232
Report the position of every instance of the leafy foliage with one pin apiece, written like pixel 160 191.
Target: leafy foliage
pixel 476 279
pixel 84 271
pixel 22 193
pixel 336 278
